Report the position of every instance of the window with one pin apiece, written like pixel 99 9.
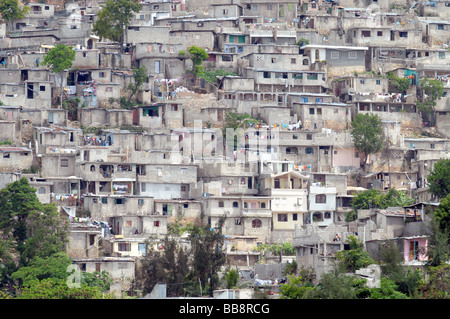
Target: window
pixel 311 111
pixel 119 201
pixel 327 215
pixel 156 223
pixel 175 107
pixel 403 34
pixel 227 58
pixel 108 89
pixel 379 33
pixel 64 162
pixel 235 204
pixel 46 8
pixel 378 82
pixel 140 202
pixel 256 223
pixel 294 216
pixel 309 136
pixel 352 55
pixel 440 27
pixel 365 34
pixel 321 199
pixel 41 190
pixel 282 217
pixel 441 55
pixel 98 267
pixel 309 150
pixel 335 55
pixel 221 204
pixel 104 200
pixel 42 88
pixel 102 74
pixel 274 60
pixel 293 60
pixel 263 205
pixel 183 188
pixel 266 75
pixel 319 111
pixel 294 136
pixel 124 246
pixel 362 81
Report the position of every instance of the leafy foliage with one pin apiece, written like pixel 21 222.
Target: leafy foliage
pixel 197 55
pixel 367 134
pixel 231 277
pixel 11 10
pixel 236 120
pixel 140 77
pixel 437 285
pixel 210 75
pixel 114 16
pixel 59 58
pixel 439 178
pixel 398 84
pixel 373 198
pixel 442 214
pixel 355 258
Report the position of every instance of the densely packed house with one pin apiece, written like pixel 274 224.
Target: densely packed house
pixel 303 69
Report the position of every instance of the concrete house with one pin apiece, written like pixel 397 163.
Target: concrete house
pixel 244 216
pixel 289 201
pixel 15 158
pixel 340 60
pixel 166 181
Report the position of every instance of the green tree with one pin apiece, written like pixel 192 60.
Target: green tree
pixel 113 19
pixel 439 178
pixel 387 290
pixel 398 84
pixel 231 278
pixel 367 134
pixel 432 90
pixel 54 266
pixel 336 285
pixel 59 59
pixel 140 77
pixel 295 288
pixel 47 233
pixel 170 266
pixel 239 120
pixel 51 288
pixel 354 258
pixel 208 255
pixel 197 55
pixel 442 213
pixel 437 285
pixel 17 201
pixel 11 10
pixel 438 250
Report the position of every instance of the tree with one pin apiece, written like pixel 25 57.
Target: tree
pixel 432 90
pixel 170 266
pixel 32 228
pixel 11 10
pixel 387 290
pixel 354 258
pixel 197 55
pixel 442 214
pixel 17 201
pixel 47 233
pixel 207 254
pixel 295 288
pixel 231 277
pixel 114 18
pixel 367 134
pixel 51 288
pixel 59 59
pixel 437 285
pixel 140 77
pixel 439 178
pixel 438 250
pixel 398 84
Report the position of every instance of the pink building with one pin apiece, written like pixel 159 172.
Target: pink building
pixel 415 249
